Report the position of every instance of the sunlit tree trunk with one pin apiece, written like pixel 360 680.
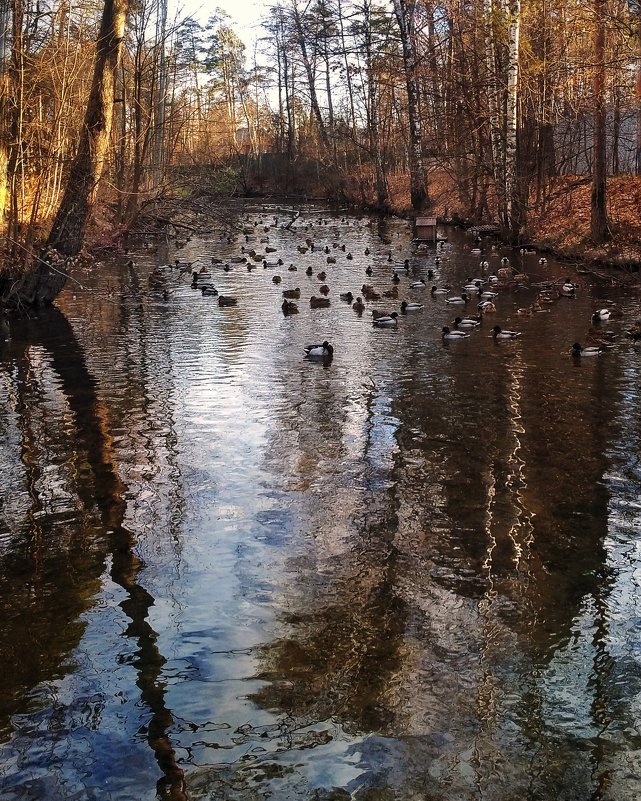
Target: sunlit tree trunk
pixel 419 193
pixel 5 115
pixel 67 232
pixel 637 160
pixel 513 208
pixel 599 219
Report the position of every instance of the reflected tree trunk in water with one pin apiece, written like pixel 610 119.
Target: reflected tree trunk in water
pixel 54 333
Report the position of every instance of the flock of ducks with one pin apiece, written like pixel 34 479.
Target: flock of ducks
pixel 481 291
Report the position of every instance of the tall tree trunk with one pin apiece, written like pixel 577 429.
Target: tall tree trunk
pixel 300 38
pixel 599 220
pixel 637 160
pixel 67 232
pixel 514 210
pixel 5 101
pixel 419 192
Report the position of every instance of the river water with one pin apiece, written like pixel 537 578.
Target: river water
pixel 229 572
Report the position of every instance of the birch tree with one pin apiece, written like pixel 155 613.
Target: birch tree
pixel 404 11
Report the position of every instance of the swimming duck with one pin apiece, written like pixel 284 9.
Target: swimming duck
pixel 499 333
pixel 5 328
pixel 407 308
pixel 208 290
pixel 387 321
pixel 439 290
pixel 276 279
pixel 323 289
pixel 418 284
pixel 593 350
pixel 292 268
pixel 226 300
pixel 318 303
pixel 291 293
pixel 358 305
pixel 289 307
pixel 368 271
pixel 462 298
pixel 601 315
pixel 487 295
pixel 505 261
pixel 322 275
pixel 486 307
pixel 568 290
pixel 484 264
pixel 543 261
pixel 309 271
pixel 473 285
pixel 447 334
pixel 466 322
pixel 324 351
pixel 347 297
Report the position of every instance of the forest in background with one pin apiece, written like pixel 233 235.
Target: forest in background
pixel 518 112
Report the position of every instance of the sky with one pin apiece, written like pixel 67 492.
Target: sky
pixel 245 14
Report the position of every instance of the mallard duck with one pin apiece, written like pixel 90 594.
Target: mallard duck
pixel 486 307
pixel 500 333
pixel 323 289
pixel 309 271
pixel 473 285
pixel 292 268
pixel 368 271
pixel 447 334
pixel 346 296
pixel 208 290
pixel 568 290
pixel 601 315
pixel 291 293
pixel 439 290
pixel 407 308
pixel 387 321
pixel 322 275
pixel 241 259
pixel 418 284
pixel 592 350
pixel 543 261
pixel 276 279
pixel 226 300
pixel 391 293
pixel 318 303
pixel 5 328
pixel 484 264
pixel 331 259
pixel 270 265
pixel 289 307
pixel 404 267
pixel 487 295
pixel 358 305
pixel 460 299
pixel 324 351
pixel 466 322
pixel 505 261
pixel 183 265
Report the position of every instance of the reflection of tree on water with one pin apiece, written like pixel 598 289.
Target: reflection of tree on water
pixel 348 620
pixel 100 487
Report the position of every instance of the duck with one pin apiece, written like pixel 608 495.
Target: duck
pixel 592 350
pixel 601 315
pixel 289 307
pixel 387 321
pixel 323 289
pixel 292 268
pixel 543 261
pixel 439 290
pixel 226 300
pixel 243 259
pixel 405 266
pixel 447 334
pixel 473 285
pixel 346 296
pixel 408 308
pixel 183 265
pixel 391 293
pixel 208 290
pixel 505 262
pixel 291 293
pixel 309 271
pixel 568 290
pixel 486 307
pixel 460 299
pixel 324 351
pixel 358 305
pixel 484 264
pixel 322 275
pixel 500 333
pixel 276 279
pixel 5 328
pixel 368 271
pixel 487 295
pixel 272 264
pixel 466 322
pixel 331 260
pixel 418 284
pixel 319 303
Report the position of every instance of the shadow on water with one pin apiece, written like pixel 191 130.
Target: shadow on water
pixel 45 620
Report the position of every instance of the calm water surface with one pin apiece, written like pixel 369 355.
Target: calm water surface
pixel 230 573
